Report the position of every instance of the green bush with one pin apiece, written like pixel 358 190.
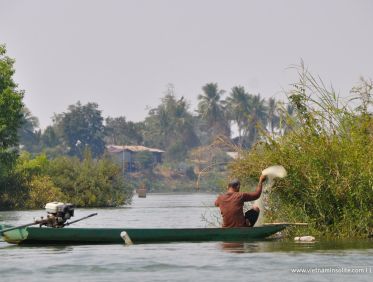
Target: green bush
pixel 41 191
pixel 90 183
pixel 86 183
pixel 328 155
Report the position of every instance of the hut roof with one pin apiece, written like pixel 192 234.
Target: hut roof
pixel 119 149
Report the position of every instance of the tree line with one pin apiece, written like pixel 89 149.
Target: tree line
pixel 172 125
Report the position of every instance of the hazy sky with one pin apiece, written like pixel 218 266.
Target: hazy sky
pixel 122 54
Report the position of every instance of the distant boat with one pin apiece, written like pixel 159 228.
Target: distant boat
pixel 141 192
pixel 46 235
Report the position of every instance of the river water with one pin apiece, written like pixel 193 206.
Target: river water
pixel 267 260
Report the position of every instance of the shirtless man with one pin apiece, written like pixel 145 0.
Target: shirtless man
pixel 231 205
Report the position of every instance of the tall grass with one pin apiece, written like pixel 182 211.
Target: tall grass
pixel 327 149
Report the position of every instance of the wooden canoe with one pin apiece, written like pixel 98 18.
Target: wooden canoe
pixel 67 235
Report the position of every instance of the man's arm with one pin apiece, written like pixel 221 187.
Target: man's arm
pixel 252 196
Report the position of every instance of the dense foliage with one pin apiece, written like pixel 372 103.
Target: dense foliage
pixel 90 182
pixel 328 155
pixel 86 183
pixel 120 131
pixel 170 126
pixel 10 120
pixel 81 127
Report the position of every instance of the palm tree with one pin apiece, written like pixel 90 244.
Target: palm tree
pixel 238 106
pixel 257 117
pixel 211 109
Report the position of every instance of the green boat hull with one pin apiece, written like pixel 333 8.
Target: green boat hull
pixel 36 235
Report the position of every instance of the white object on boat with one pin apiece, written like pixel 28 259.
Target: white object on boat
pixel 127 240
pixel 53 207
pixel 305 238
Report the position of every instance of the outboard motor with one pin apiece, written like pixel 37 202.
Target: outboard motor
pixel 57 214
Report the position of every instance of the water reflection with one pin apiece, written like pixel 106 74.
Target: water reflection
pixel 277 245
pixel 239 248
pixel 40 249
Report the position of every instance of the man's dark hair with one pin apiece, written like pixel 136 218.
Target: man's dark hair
pixel 234 183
